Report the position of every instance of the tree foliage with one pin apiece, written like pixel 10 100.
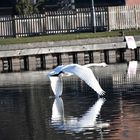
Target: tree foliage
pixel 25 7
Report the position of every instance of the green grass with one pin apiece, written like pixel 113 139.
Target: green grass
pixel 60 37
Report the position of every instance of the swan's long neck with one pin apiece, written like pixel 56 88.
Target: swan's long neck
pixel 93 64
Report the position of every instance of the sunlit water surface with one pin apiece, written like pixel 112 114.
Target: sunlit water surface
pixel 28 110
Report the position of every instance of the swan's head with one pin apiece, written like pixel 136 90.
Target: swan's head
pixel 56 71
pixel 53 73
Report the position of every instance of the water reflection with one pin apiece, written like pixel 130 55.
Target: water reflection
pixel 27 112
pixel 132 69
pixel 87 121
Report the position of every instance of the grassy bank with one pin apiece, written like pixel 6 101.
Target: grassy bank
pixel 72 36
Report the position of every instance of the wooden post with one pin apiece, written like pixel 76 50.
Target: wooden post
pixel 1 65
pixel 102 56
pixel 15 64
pixel 80 58
pixel 24 63
pixel 7 64
pixel 49 61
pixel 32 63
pixel 70 57
pixel 38 62
pixel 86 58
pixel 65 59
pixel 96 57
pixel 127 55
pixel 112 56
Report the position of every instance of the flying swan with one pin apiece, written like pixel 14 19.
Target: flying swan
pixel 83 72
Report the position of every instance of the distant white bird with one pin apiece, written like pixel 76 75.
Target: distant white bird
pixel 87 121
pixel 82 72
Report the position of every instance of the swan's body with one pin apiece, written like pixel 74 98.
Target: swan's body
pixel 77 124
pixel 82 72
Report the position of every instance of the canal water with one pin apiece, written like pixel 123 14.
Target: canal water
pixel 28 110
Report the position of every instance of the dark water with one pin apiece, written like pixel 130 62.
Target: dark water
pixel 28 111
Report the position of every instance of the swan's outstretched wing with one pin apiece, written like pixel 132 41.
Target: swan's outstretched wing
pixel 56 85
pixel 86 75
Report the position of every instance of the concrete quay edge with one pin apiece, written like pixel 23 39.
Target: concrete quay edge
pixel 96 44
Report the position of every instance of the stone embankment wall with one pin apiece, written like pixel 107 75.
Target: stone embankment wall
pixel 46 55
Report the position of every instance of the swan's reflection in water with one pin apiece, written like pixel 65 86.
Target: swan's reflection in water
pixel 132 69
pixel 86 122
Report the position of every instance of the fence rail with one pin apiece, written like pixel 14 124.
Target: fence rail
pixel 6 26
pixel 124 17
pixel 79 20
pixel 29 25
pixel 53 22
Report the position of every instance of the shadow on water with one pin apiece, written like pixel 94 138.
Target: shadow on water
pixel 27 112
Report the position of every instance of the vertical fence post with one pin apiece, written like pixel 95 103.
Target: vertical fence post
pixel 14 26
pixel 44 23
pixel 135 15
pixel 93 18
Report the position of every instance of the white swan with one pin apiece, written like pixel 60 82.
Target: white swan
pixel 87 121
pixel 82 72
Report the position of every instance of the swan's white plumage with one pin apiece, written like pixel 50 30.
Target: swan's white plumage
pixel 83 72
pixel 86 75
pixel 56 85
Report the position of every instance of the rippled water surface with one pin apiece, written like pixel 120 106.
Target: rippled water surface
pixel 28 110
